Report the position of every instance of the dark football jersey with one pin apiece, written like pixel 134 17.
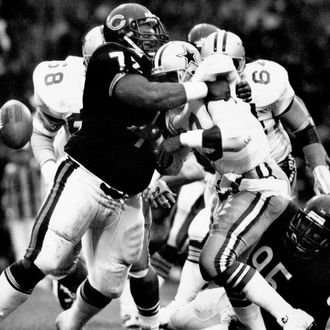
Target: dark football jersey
pixel 304 282
pixel 103 144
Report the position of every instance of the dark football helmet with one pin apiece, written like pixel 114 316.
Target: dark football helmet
pixel 309 230
pixel 123 25
pixel 199 32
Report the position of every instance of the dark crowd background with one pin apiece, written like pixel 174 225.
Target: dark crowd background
pixel 294 33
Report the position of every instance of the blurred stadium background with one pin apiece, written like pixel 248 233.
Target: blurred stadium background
pixel 295 33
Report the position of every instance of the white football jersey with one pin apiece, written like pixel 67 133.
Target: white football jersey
pixel 272 94
pixel 58 86
pixel 234 118
pixel 58 92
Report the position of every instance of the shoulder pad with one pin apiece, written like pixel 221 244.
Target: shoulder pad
pixel 58 85
pixel 268 81
pixel 123 58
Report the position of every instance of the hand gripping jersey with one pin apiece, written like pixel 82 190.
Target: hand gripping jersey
pixel 272 94
pixel 233 117
pixel 112 154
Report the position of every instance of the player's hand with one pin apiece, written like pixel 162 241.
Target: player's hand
pixel 166 150
pixel 159 195
pixel 243 91
pixel 218 90
pixel 321 180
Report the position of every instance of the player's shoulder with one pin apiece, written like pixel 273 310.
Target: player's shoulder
pixel 70 63
pixel 119 56
pixel 58 85
pixel 268 80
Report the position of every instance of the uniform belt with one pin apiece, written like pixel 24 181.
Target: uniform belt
pixel 108 190
pixel 113 193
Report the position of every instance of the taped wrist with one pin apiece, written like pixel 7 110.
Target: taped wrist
pixel 195 90
pixel 307 136
pixel 192 139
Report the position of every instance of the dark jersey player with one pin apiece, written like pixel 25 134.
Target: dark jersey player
pixel 295 258
pixel 95 197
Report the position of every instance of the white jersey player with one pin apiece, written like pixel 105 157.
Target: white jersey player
pixel 276 105
pixel 58 90
pixel 254 190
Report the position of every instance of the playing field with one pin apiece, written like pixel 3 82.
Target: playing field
pixel 40 311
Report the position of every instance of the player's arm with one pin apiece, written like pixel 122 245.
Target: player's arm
pixel 301 124
pixel 45 128
pixel 136 90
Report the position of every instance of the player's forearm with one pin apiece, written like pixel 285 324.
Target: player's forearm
pixel 137 91
pixel 315 155
pixel 42 143
pixel 215 138
pixel 191 171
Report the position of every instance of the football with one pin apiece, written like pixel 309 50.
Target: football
pixel 15 124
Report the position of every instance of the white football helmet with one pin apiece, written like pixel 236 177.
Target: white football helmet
pixel 176 61
pixel 228 43
pixel 92 40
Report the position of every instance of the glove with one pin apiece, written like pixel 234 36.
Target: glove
pixel 166 150
pixel 243 91
pixel 321 175
pixel 159 194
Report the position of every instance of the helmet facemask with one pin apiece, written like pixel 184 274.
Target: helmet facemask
pixel 149 42
pixel 308 233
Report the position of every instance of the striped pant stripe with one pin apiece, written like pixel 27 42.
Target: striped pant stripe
pixel 41 224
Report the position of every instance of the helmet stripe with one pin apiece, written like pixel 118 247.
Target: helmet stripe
pixel 215 42
pixel 159 61
pixel 224 41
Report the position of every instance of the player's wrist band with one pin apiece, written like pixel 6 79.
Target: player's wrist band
pixel 195 90
pixel 192 139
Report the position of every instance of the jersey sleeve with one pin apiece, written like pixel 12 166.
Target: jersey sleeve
pixel 114 62
pixel 270 85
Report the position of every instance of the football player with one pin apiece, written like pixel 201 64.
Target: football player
pixel 96 192
pixel 58 89
pixel 288 255
pixel 276 103
pixel 253 190
pixel 277 107
pixel 196 36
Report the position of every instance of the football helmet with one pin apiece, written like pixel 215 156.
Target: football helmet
pixel 92 40
pixel 228 43
pixel 199 32
pixel 123 25
pixel 176 61
pixel 309 230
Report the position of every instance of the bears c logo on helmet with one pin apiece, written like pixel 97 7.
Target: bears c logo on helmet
pixel 116 22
